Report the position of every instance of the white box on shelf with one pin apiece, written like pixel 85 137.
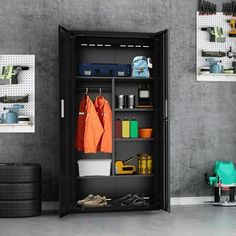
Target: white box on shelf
pixel 95 167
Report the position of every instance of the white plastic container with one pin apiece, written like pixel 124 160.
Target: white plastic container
pixel 99 167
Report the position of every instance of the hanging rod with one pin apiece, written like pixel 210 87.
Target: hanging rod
pixel 99 87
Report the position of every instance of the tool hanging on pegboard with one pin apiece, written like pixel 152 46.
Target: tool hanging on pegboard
pixel 207 8
pixel 229 8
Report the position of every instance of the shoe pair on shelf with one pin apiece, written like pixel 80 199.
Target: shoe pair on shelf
pixel 132 200
pixel 93 201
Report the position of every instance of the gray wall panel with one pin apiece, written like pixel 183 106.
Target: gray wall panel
pixel 202 122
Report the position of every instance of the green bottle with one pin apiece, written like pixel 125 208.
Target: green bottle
pixel 133 128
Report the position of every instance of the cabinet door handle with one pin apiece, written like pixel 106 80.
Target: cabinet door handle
pixel 166 108
pixel 165 118
pixel 62 108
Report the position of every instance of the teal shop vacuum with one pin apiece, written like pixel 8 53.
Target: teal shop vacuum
pixel 224 179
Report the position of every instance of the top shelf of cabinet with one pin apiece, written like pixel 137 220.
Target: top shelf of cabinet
pixel 105 79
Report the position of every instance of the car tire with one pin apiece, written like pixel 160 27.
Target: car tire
pixel 19 173
pixel 20 191
pixel 20 208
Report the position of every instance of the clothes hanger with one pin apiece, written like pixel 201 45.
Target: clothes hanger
pixel 86 91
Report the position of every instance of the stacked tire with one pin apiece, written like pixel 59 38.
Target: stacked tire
pixel 20 190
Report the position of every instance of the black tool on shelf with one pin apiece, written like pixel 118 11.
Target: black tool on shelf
pixel 213 53
pixel 231 54
pixel 14 99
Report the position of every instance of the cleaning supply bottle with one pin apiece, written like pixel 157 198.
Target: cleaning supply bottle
pixel 125 128
pixel 118 128
pixel 149 165
pixel 133 128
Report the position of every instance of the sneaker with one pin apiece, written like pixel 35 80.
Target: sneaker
pixel 97 201
pixel 123 198
pixel 83 201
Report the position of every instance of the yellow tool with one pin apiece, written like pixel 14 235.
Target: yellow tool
pixel 232 23
pixel 123 169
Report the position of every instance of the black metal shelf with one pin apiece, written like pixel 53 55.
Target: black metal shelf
pixel 134 109
pixel 130 79
pixel 93 79
pixel 133 139
pixel 111 207
pixel 114 176
pixel 108 79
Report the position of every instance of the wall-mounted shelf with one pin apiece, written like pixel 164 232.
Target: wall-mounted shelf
pixel 17 124
pixel 203 43
pixel 217 77
pixel 17 128
pixel 22 92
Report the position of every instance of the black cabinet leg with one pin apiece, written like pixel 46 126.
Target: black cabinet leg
pixel 231 194
pixel 217 195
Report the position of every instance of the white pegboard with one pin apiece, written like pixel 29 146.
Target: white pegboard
pixel 26 85
pixel 203 43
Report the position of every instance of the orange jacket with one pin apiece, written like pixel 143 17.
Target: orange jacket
pixel 89 129
pixel 104 112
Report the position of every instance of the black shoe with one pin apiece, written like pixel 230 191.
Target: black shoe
pixel 123 198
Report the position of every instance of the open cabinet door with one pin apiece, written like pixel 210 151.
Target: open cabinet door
pixel 162 60
pixel 66 89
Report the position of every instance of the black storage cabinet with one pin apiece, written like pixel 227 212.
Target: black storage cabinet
pixel 77 47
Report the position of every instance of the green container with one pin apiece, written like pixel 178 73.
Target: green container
pixel 133 128
pixel 225 173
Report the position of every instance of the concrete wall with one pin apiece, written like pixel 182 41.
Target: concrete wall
pixel 202 123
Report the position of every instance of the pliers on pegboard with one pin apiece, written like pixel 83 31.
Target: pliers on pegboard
pixel 207 8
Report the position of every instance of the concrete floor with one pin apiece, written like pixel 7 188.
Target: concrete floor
pixel 187 220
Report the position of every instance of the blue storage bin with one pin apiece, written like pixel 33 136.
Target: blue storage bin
pixel 102 69
pixel 123 70
pixel 85 69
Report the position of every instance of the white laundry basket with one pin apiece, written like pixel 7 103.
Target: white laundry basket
pixel 99 167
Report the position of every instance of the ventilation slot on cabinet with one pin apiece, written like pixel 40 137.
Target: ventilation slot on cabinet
pixel 109 45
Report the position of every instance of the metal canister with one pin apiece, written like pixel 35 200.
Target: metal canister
pixel 1 117
pixel 131 101
pixel 143 165
pixel 149 165
pixel 120 101
pixel 139 165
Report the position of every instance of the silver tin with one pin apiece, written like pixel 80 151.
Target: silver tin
pixel 131 101
pixel 120 101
